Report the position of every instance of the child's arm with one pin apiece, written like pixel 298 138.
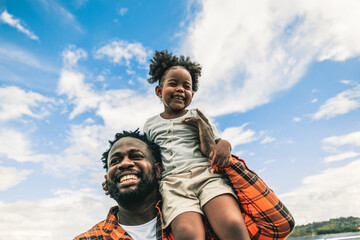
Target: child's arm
pixel 218 151
pixel 207 142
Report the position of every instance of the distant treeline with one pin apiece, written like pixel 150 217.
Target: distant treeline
pixel 337 225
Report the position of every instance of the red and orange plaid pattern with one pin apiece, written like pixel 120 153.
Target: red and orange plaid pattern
pixel 265 216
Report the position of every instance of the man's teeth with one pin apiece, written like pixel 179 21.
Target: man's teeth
pixel 128 177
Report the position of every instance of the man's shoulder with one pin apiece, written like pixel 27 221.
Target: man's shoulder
pixel 96 232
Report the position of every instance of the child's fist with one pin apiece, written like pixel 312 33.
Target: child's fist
pixel 221 154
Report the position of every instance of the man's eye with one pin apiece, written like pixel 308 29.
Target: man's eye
pixel 115 161
pixel 137 157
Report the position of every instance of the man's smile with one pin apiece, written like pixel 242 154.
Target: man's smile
pixel 128 179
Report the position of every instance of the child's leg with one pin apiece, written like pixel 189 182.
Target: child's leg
pixel 188 225
pixel 224 215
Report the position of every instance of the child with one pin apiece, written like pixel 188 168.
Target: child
pixel 189 185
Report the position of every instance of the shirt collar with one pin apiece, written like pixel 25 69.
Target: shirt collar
pixel 112 227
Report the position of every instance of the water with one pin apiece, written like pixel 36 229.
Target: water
pixel 337 236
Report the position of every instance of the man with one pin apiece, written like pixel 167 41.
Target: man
pixel 133 167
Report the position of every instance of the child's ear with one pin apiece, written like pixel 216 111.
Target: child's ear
pixel 158 91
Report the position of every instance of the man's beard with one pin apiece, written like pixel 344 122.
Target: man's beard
pixel 128 198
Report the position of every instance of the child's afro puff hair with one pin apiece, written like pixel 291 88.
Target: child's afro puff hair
pixel 164 60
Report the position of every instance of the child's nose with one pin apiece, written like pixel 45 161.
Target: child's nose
pixel 180 89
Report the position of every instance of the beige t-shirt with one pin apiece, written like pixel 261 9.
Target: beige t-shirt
pixel 179 142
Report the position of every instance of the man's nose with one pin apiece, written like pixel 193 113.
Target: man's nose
pixel 126 163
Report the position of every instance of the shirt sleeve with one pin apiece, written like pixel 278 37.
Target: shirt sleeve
pixel 266 217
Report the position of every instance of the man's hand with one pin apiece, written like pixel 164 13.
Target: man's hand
pixel 221 154
pixel 104 187
pixel 207 142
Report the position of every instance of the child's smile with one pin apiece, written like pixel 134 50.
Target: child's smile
pixel 176 91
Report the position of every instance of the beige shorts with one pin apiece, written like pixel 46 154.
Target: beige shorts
pixel 190 191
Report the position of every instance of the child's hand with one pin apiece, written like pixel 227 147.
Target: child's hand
pixel 221 154
pixel 104 186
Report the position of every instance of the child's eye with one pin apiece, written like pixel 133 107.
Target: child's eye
pixel 187 87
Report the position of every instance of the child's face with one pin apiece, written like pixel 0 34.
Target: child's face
pixel 176 90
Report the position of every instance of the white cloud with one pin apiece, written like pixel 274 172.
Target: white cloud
pixel 342 103
pixel 86 142
pixel 31 220
pixel 123 11
pixel 324 191
pixel 72 84
pixel 125 109
pixel 17 146
pixel 342 146
pixel 79 3
pixel 314 100
pixel 348 82
pixel 347 139
pixel 16 103
pixel 122 52
pixel 341 156
pixel 297 119
pixel 130 72
pixel 100 78
pixel 71 55
pixel 267 139
pixel 238 135
pixel 10 52
pixel 290 141
pixel 120 109
pixel 257 49
pixel 269 161
pixel 9 19
pixel 89 140
pixel 10 177
pixel 61 14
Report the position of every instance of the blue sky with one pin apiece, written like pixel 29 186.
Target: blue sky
pixel 280 80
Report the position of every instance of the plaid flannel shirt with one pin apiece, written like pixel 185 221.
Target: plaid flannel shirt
pixel 265 216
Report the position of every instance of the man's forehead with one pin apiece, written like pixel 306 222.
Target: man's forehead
pixel 128 143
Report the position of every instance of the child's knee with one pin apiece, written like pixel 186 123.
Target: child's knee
pixel 234 223
pixel 186 230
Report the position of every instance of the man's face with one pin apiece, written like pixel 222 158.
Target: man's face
pixel 132 173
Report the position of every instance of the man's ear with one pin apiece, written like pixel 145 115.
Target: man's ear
pixel 158 169
pixel 158 91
